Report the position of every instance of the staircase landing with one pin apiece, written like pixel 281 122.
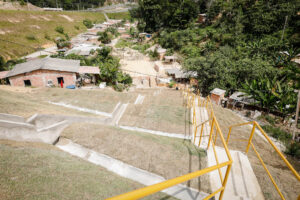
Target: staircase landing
pixel 242 182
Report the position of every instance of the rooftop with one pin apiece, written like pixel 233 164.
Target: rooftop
pixel 218 91
pixel 45 63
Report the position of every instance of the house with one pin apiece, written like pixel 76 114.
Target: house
pixel 170 59
pixel 89 74
pixel 3 79
pixel 41 72
pixel 161 52
pixel 239 99
pixel 201 18
pixel 83 49
pixel 216 95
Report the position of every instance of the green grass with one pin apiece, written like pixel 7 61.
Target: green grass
pixel 123 43
pixel 43 172
pixel 121 15
pixel 18 25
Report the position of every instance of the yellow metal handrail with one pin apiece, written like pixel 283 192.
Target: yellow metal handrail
pixel 146 191
pixel 250 144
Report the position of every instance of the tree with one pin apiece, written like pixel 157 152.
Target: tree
pixel 88 23
pixel 104 37
pixel 2 64
pixel 154 15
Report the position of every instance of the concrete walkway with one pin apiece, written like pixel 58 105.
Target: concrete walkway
pixel 242 182
pixel 144 177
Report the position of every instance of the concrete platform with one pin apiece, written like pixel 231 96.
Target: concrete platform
pixel 242 182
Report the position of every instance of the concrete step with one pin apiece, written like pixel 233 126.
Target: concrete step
pixel 242 182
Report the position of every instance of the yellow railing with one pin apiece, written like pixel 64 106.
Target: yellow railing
pixel 250 144
pixel 190 103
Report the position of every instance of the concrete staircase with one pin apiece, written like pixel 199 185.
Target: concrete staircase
pixel 242 182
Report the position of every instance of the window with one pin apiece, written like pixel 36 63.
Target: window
pixel 27 83
pixel 60 79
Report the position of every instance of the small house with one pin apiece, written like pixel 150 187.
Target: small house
pixel 161 52
pixel 39 72
pixel 170 59
pixel 89 74
pixel 216 95
pixel 201 18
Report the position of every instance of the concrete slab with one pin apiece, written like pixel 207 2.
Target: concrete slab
pixel 242 182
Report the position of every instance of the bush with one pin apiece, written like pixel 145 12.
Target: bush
pixel 47 37
pixel 119 87
pixel 88 23
pixel 171 84
pixel 293 149
pixel 154 55
pixel 76 27
pixel 104 37
pixel 31 37
pixel 60 29
pixel 278 133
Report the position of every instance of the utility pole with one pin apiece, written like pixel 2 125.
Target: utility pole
pixel 286 18
pixel 297 113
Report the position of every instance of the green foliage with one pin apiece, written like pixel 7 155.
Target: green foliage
pixel 60 29
pixel 88 23
pixel 156 14
pixel 277 133
pixel 77 27
pixel 31 37
pixel 113 31
pixel 272 94
pixel 47 37
pixel 141 47
pixel 123 43
pixel 171 84
pixel 153 54
pixel 68 4
pixel 2 64
pixel 293 149
pixel 104 37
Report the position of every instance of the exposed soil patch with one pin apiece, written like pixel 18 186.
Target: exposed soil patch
pixel 67 18
pixel 164 156
pixel 286 181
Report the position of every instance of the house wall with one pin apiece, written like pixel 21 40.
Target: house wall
pixel 39 78
pixel 216 98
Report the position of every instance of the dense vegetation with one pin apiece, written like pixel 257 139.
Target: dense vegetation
pixel 68 4
pixel 243 45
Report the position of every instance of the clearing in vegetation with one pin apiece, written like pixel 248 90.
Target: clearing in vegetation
pixel 167 157
pixel 287 183
pixel 40 171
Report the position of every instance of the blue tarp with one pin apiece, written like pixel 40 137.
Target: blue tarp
pixel 71 87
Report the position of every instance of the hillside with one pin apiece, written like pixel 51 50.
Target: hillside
pixel 22 30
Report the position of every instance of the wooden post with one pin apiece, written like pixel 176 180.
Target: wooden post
pixel 297 114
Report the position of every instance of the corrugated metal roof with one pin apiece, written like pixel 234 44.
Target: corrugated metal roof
pixel 45 63
pixel 218 91
pixel 88 70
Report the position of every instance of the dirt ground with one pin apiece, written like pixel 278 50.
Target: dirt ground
pixel 161 112
pixel 40 171
pixel 286 181
pixel 168 157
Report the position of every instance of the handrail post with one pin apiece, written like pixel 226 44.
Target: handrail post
pixel 225 181
pixel 196 127
pixel 201 135
pixel 250 138
pixel 227 140
pixel 211 132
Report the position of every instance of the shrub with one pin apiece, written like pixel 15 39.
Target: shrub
pixel 104 37
pixel 60 29
pixel 31 37
pixel 76 27
pixel 88 23
pixel 154 55
pixel 277 133
pixel 171 84
pixel 22 3
pixel 293 149
pixel 47 37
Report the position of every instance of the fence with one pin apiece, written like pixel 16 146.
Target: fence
pixel 250 144
pixel 213 133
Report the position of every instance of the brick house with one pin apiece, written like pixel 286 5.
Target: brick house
pixel 216 95
pixel 41 72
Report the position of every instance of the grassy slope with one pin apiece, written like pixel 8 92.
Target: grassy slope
pixel 40 171
pixel 121 15
pixel 19 24
pixel 168 157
